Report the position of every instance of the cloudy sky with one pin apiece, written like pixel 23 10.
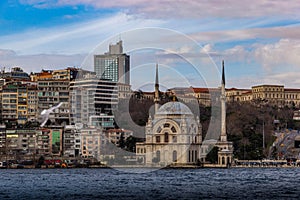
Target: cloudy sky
pixel 259 41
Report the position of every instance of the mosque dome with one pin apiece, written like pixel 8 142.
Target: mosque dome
pixel 174 108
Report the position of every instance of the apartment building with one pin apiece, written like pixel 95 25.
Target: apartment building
pixel 90 142
pixel 90 96
pixel 14 101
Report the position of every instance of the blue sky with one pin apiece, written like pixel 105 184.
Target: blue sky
pixel 260 43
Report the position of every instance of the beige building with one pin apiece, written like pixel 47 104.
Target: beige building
pixel 234 94
pixel 124 91
pixel 43 141
pixel 15 103
pixel 173 136
pixel 50 93
pixel 90 142
pixel 273 94
pixel 114 135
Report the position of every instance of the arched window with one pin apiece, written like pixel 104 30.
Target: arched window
pixel 166 137
pixel 174 156
pixel 173 129
pixel 158 130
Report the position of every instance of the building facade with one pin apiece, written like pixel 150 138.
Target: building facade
pixel 173 136
pixel 92 97
pixel 113 65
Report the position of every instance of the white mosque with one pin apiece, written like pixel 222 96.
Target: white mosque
pixel 174 135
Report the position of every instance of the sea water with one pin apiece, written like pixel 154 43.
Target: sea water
pixel 234 183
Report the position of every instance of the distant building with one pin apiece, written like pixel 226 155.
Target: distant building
pixel 124 91
pixel 92 97
pixel 16 73
pixel 113 65
pixel 90 142
pixel 115 135
pixel 56 141
pixel 20 142
pixel 51 92
pixel 43 142
pixel 271 93
pixel 16 102
pixel 69 141
pixel 234 94
pixel 103 120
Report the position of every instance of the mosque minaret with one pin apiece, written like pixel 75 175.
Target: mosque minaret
pixel 223 107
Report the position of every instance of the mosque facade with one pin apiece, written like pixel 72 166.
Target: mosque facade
pixel 174 135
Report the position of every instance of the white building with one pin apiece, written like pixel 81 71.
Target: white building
pixel 173 136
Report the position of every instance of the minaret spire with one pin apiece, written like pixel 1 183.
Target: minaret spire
pixel 156 93
pixel 223 107
pixel 223 73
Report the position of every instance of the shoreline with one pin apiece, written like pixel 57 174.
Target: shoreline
pixel 205 166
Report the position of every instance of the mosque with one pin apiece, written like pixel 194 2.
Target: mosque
pixel 174 135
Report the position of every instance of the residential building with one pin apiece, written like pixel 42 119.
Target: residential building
pixel 2 140
pixel 115 135
pixel 103 120
pixel 56 141
pixel 90 142
pixel 15 103
pixel 92 97
pixel 69 140
pixel 32 102
pixel 51 92
pixel 16 73
pixel 124 91
pixel 43 142
pixel 20 142
pixel 69 73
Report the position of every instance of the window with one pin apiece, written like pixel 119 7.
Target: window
pixel 174 156
pixel 158 139
pixel 159 130
pixel 174 139
pixel 173 129
pixel 166 125
pixel 166 137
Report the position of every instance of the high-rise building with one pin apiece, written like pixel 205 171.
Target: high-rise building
pixel 91 97
pixel 113 65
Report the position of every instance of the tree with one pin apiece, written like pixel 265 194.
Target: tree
pixel 130 143
pixel 212 156
pixel 122 141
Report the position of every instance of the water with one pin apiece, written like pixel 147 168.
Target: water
pixel 235 183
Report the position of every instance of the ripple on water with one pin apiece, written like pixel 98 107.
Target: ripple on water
pixel 73 184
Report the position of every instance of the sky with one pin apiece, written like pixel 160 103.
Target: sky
pixel 259 41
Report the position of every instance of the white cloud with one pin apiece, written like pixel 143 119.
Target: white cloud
pixel 186 8
pixel 284 53
pixel 291 32
pixel 34 63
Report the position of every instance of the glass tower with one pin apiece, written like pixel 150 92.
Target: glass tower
pixel 113 65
